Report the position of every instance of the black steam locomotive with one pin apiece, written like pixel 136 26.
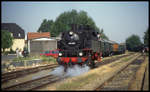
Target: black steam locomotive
pixel 82 45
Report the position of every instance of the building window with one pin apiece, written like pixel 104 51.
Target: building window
pixel 19 35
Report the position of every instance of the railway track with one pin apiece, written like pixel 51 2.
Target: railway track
pixel 123 79
pixel 12 75
pixel 40 82
pixel 36 83
pixel 98 64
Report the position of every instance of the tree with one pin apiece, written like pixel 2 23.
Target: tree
pixel 146 37
pixel 65 19
pixel 103 36
pixel 45 26
pixel 7 40
pixel 132 42
pixel 84 19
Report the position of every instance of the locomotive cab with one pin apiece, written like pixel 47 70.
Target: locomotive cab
pixel 78 46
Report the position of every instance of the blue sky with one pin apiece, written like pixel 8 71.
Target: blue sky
pixel 119 20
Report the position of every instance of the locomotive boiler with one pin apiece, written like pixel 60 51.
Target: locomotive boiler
pixel 80 46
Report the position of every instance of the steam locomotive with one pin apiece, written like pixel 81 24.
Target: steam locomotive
pixel 82 45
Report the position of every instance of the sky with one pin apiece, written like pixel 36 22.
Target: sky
pixel 119 20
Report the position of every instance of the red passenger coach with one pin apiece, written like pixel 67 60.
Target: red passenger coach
pixel 53 53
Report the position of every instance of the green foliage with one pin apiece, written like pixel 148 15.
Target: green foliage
pixel 11 51
pixel 103 36
pixel 146 37
pixel 45 26
pixel 7 40
pixel 6 52
pixel 49 59
pixel 64 20
pixel 133 41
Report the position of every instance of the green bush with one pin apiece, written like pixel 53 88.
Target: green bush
pixel 11 51
pixel 49 59
pixel 6 52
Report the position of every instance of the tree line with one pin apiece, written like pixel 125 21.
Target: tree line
pixel 133 42
pixel 65 19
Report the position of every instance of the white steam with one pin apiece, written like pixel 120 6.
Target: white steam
pixel 76 70
pixel 58 71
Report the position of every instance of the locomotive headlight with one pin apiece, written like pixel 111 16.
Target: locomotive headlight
pixel 80 54
pixel 60 54
pixel 71 33
pixel 76 37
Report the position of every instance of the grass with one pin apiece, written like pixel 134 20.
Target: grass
pixel 75 84
pixel 22 59
pixel 147 54
pixel 48 59
pixel 126 59
pixel 43 58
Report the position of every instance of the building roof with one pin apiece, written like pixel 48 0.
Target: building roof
pixel 122 43
pixel 44 39
pixel 110 41
pixel 17 31
pixel 35 35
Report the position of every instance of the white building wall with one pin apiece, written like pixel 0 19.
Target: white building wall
pixel 28 46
